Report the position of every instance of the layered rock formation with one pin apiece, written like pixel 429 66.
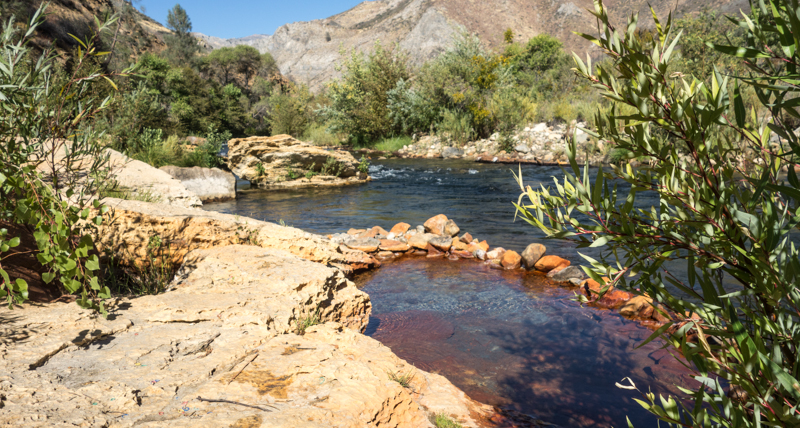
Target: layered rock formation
pixel 282 161
pixel 308 51
pixel 218 349
pixel 130 225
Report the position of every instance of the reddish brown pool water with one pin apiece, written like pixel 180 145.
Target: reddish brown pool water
pixel 516 341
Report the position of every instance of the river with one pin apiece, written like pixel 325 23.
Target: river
pixel 509 339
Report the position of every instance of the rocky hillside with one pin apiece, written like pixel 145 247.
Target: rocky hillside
pixel 137 32
pixel 307 51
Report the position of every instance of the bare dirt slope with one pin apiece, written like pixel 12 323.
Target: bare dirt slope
pixel 307 51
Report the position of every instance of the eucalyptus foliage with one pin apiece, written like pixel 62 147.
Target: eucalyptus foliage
pixel 51 168
pixel 731 227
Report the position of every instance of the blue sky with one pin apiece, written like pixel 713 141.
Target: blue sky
pixel 239 18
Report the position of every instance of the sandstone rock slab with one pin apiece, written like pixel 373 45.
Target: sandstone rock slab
pixel 267 162
pixel 532 254
pixel 209 184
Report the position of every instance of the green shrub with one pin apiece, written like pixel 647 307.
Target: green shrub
pixel 47 145
pixel 331 167
pixel 456 127
pixel 359 99
pixel 152 276
pixel 392 144
pixel 731 228
pixel 289 112
pixel 442 420
pixel 363 165
pixel 320 135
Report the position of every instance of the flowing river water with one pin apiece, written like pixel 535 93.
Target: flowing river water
pixel 507 338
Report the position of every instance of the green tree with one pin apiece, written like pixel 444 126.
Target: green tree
pixel 359 99
pixel 181 46
pixel 733 229
pixel 223 63
pixel 248 62
pixel 541 53
pixel 51 168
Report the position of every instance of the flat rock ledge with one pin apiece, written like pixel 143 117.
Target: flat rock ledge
pixel 218 349
pixel 130 225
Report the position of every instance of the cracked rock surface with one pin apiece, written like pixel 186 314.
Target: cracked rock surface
pixel 218 349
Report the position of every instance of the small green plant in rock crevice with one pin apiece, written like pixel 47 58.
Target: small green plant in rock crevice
pixel 260 170
pixel 331 167
pixel 363 164
pixel 311 173
pixel 127 276
pixel 304 322
pixel 404 379
pixel 291 174
pixel 442 420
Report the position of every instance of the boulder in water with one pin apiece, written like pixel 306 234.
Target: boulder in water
pixel 548 263
pixel 565 274
pixel 532 254
pixel 442 243
pixel 400 228
pixel 450 228
pixel 511 260
pixel 281 160
pixel 420 240
pixel 436 224
pixel 496 253
pixel 367 245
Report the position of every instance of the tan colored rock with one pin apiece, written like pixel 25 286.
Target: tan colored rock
pixel 395 246
pixel 209 184
pixel 511 260
pixel 467 238
pixel 278 153
pixel 144 181
pixel 483 245
pixel 420 240
pixel 637 307
pixel 459 245
pixel 222 332
pixel 442 243
pixel 373 232
pixel 548 263
pixel 436 224
pixel 400 228
pixel 128 227
pixel 495 254
pixel 367 245
pixel 356 231
pixel 451 228
pixel 532 254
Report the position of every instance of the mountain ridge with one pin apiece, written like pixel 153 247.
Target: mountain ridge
pixel 307 51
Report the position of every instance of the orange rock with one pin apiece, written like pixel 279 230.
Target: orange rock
pixel 637 307
pixel 591 287
pixel 460 246
pixel 511 260
pixel 613 299
pixel 390 245
pixel 355 231
pixel 375 231
pixel 463 254
pixel 400 228
pixel 548 263
pixel 484 245
pixel 467 238
pixel 433 251
pixel 436 224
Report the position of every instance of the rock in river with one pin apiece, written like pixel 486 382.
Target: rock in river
pixel 281 161
pixel 532 254
pixel 436 224
pixel 442 243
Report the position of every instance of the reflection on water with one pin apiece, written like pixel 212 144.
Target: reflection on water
pixel 515 340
